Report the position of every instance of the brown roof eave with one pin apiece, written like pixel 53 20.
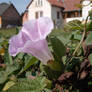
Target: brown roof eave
pixel 58 6
pixel 73 10
pixel 9 7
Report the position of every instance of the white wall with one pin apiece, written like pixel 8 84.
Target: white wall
pixel 76 18
pixel 46 8
pixel 58 22
pixel 0 25
pixel 86 9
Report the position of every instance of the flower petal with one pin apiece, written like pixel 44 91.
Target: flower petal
pixel 45 26
pixel 38 49
pixel 17 42
pixel 31 39
pixel 30 28
pixel 38 29
pixel 14 43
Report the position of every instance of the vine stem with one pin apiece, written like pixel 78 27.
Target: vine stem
pixel 80 43
pixel 83 37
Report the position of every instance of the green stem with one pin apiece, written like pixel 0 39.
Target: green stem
pixel 83 36
pixel 77 48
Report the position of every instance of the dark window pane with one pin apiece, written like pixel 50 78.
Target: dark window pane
pixel 58 15
pixel 41 14
pixel 36 15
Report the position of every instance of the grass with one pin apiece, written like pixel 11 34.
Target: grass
pixel 8 32
pixel 12 31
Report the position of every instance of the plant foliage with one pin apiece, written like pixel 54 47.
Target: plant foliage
pixel 70 72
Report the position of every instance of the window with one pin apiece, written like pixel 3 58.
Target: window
pixel 58 15
pixel 36 15
pixel 80 14
pixel 41 14
pixel 36 3
pixel 39 3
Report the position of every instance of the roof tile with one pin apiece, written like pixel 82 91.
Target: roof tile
pixel 52 2
pixel 70 5
pixel 57 3
pixel 3 7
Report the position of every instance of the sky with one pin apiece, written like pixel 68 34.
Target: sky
pixel 20 5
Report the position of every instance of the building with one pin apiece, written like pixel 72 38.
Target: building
pixel 9 15
pixel 24 17
pixel 46 8
pixel 58 10
pixel 72 12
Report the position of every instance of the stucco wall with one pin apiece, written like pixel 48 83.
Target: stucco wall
pixel 86 9
pixel 76 18
pixel 0 21
pixel 58 22
pixel 33 8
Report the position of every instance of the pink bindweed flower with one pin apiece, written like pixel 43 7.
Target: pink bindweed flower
pixel 32 39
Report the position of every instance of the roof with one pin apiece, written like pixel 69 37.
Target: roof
pixel 71 5
pixel 52 2
pixel 3 7
pixel 57 3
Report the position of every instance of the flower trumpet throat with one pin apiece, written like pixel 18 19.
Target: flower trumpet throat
pixel 56 66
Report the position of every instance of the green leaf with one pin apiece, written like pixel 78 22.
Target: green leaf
pixel 47 90
pixel 58 47
pixel 8 85
pixel 20 55
pixel 8 58
pixel 30 63
pixel 3 77
pixel 10 69
pixel 61 35
pixel 51 74
pixel 64 59
pixel 90 58
pixel 90 83
pixel 90 14
pixel 4 43
pixel 29 85
pixel 77 37
pixel 65 37
pixel 55 66
pixel 89 39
